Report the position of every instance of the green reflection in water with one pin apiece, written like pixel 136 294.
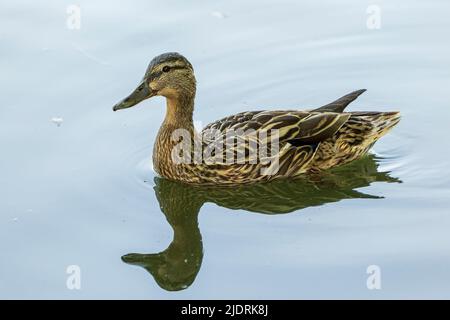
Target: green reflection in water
pixel 176 267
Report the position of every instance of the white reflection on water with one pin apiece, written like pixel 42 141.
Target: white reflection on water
pixel 84 180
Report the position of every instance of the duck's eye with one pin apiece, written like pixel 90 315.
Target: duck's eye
pixel 166 69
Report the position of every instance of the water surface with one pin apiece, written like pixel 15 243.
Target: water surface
pixel 83 193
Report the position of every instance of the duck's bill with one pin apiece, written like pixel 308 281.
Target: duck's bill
pixel 140 259
pixel 141 93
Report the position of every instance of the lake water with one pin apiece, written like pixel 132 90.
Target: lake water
pixel 78 187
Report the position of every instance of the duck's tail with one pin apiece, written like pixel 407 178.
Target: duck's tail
pixel 356 137
pixel 375 124
pixel 363 129
pixel 384 122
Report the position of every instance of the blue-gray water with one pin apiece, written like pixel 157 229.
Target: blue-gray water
pixel 83 194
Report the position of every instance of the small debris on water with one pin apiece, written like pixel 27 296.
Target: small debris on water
pixel 219 15
pixel 15 219
pixel 57 120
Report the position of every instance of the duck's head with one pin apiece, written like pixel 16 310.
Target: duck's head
pixel 169 75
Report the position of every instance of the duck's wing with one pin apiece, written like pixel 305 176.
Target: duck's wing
pixel 258 120
pixel 340 104
pixel 296 127
pixel 283 142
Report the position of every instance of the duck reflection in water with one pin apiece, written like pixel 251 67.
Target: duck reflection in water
pixel 176 267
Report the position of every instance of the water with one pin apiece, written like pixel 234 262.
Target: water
pixel 77 186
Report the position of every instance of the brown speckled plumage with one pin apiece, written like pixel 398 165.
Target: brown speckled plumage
pixel 311 140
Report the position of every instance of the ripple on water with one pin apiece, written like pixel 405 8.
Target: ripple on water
pixel 139 167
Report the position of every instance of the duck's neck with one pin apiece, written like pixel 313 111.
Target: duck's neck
pixel 179 113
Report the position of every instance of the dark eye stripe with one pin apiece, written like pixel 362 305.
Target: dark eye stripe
pixel 157 74
pixel 172 68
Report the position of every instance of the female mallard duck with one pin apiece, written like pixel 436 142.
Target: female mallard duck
pixel 300 141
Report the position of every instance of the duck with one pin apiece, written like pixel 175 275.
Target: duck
pixel 251 146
